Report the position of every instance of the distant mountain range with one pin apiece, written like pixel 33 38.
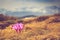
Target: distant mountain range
pixel 30 16
pixel 27 16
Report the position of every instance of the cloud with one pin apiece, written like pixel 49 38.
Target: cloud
pixel 34 6
pixel 13 4
pixel 45 9
pixel 39 0
pixel 48 0
pixel 54 9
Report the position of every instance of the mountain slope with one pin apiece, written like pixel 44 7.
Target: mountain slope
pixel 39 28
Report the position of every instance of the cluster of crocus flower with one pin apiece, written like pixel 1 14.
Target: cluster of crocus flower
pixel 18 27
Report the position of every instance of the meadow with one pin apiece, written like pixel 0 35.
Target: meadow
pixel 37 28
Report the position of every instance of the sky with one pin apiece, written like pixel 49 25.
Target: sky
pixel 34 6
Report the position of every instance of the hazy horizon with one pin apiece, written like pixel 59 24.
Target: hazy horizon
pixel 29 7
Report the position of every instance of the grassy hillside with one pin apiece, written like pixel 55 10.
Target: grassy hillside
pixel 39 28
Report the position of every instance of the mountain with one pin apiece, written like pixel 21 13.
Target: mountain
pixel 30 16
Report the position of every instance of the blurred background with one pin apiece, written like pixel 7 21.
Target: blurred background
pixel 21 8
pixel 41 19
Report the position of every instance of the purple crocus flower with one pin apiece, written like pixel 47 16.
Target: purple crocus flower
pixel 18 26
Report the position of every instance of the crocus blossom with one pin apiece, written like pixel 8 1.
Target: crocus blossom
pixel 18 27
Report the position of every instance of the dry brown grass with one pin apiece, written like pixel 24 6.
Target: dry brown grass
pixel 35 30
